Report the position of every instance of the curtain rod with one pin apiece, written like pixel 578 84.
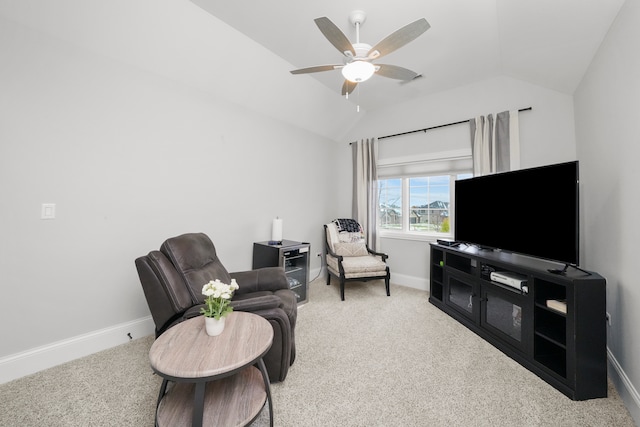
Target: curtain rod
pixel 435 127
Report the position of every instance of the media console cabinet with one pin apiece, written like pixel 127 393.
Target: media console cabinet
pixel 565 346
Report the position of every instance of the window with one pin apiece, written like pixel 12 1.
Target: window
pixel 429 204
pixel 416 182
pixel 390 202
pixel 417 205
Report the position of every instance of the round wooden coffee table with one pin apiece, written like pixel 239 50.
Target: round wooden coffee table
pixel 214 380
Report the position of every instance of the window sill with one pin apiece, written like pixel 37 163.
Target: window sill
pixel 409 235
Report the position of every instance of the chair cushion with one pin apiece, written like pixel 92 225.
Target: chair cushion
pixel 350 249
pixel 360 266
pixel 363 264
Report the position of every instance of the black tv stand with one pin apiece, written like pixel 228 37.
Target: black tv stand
pixel 553 324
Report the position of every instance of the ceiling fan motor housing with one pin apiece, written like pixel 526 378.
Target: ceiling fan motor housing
pixel 361 49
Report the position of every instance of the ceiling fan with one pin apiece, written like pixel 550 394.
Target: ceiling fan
pixel 358 57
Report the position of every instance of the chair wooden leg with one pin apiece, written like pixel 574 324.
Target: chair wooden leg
pixel 342 289
pixel 328 278
pixel 386 284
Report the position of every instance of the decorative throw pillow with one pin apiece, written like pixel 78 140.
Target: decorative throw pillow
pixel 350 249
pixel 349 237
pixel 349 230
pixel 348 225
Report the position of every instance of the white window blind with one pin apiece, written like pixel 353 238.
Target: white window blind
pixel 433 164
pixel 442 150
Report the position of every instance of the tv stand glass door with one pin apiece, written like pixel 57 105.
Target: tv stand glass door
pixel 460 295
pixel 502 314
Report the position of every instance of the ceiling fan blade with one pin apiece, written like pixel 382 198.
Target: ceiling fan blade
pixel 395 72
pixel 404 82
pixel 348 87
pixel 334 35
pixel 399 38
pixel 315 69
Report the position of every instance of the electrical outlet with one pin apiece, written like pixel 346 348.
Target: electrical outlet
pixel 608 318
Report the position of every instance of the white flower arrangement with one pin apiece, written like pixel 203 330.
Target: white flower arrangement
pixel 218 298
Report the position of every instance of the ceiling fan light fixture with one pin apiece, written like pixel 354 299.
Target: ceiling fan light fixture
pixel 358 71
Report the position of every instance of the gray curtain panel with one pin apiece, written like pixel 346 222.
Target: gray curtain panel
pixel 365 187
pixel 495 143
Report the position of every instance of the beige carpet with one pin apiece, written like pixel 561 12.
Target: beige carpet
pixel 371 360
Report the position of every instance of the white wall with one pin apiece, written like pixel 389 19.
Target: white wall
pixel 130 158
pixel 546 137
pixel 607 112
pixel 182 42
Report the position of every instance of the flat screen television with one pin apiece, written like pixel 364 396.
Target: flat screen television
pixel 532 211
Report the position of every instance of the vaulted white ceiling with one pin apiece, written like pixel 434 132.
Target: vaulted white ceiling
pixel 243 50
pixel 545 42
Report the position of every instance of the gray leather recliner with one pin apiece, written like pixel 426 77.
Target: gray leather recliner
pixel 172 280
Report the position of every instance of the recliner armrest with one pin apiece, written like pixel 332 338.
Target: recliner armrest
pixel 259 304
pixel 264 302
pixel 262 279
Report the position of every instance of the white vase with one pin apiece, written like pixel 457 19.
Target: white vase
pixel 214 326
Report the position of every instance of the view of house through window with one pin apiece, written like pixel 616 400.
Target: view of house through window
pixel 390 202
pixel 417 204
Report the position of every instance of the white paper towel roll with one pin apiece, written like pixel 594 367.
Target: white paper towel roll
pixel 276 230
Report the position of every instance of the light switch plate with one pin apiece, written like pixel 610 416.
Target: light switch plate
pixel 48 211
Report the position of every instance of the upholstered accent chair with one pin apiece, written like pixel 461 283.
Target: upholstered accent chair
pixel 172 280
pixel 349 258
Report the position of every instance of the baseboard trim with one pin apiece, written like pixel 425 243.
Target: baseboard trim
pixel 625 387
pixel 37 359
pixel 410 281
pixel 316 273
pixel 403 280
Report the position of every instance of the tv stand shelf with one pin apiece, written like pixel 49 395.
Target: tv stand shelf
pixel 565 345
